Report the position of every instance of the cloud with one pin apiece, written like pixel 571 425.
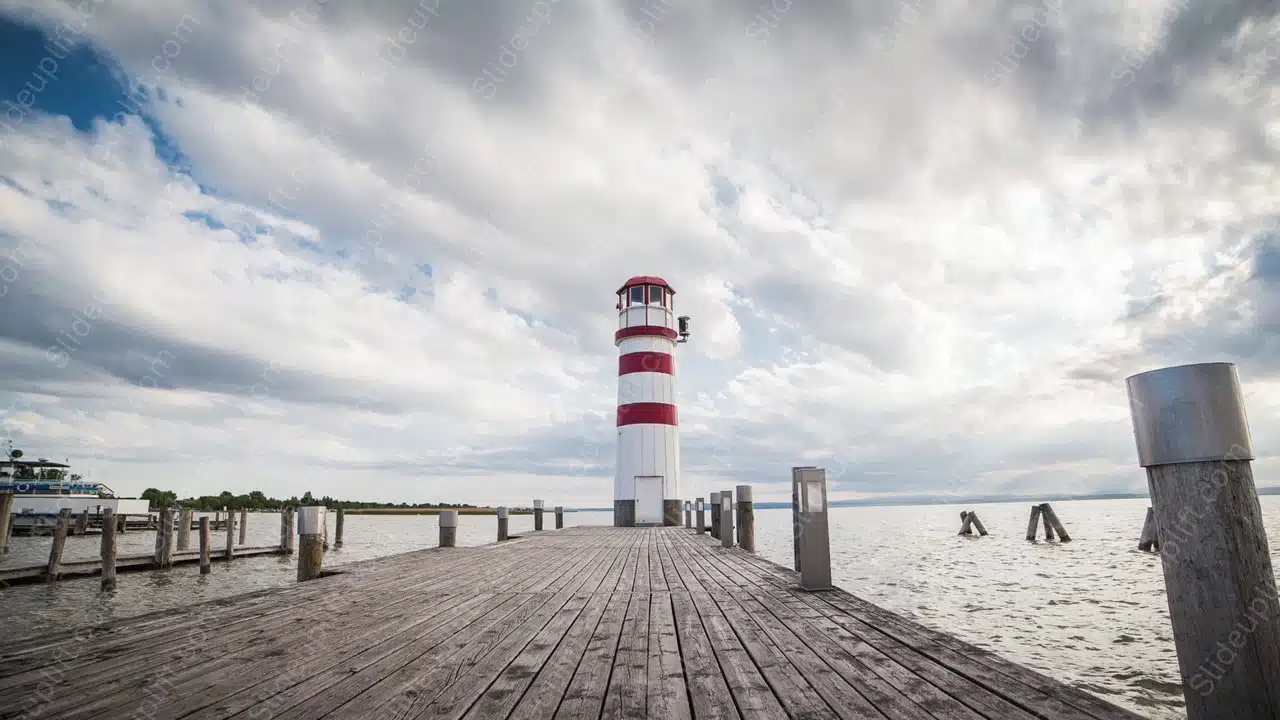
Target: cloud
pixel 372 251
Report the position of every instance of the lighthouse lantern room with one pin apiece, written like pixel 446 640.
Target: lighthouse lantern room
pixel 646 488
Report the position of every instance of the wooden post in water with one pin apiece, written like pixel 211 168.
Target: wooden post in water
pixel 244 526
pixel 6 521
pixel 231 529
pixel 1034 524
pixel 1048 526
pixel 965 523
pixel 1051 518
pixel 311 523
pixel 82 522
pixel 1148 537
pixel 1193 439
pixel 746 520
pixel 324 530
pixel 164 540
pixel 502 524
pixel 59 541
pixel 559 518
pixel 206 546
pixel 184 528
pixel 286 529
pixel 337 528
pixel 108 551
pixel 700 516
pixel 537 514
pixel 448 528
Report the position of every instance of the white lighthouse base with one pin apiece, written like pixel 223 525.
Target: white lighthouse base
pixel 624 513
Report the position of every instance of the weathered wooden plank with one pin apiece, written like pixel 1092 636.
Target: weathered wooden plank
pixel 668 695
pixel 708 690
pixel 585 695
pixel 627 693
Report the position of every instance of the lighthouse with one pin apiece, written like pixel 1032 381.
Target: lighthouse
pixel 646 487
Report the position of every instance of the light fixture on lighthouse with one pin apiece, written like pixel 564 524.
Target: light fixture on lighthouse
pixel 683 321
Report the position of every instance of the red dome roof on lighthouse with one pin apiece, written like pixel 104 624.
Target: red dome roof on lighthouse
pixel 647 280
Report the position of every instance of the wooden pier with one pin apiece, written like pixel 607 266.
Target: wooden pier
pixel 68 569
pixel 585 622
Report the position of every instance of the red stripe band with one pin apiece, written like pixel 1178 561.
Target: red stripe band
pixel 655 362
pixel 649 413
pixel 645 330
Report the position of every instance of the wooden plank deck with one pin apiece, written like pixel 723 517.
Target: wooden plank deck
pixel 586 622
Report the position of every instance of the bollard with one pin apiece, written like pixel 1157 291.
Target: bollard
pixel 164 540
pixel 1148 539
pixel 1192 436
pixel 290 514
pixel 6 521
pixel 337 528
pixel 184 529
pixel 815 541
pixel 108 552
pixel 796 473
pixel 537 514
pixel 231 525
pixel 59 542
pixel 746 519
pixel 700 515
pixel 559 518
pixel 713 506
pixel 1035 522
pixel 726 518
pixel 244 526
pixel 311 523
pixel 448 528
pixel 206 546
pixel 502 524
pixel 688 515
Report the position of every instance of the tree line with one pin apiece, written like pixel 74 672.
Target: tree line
pixel 257 500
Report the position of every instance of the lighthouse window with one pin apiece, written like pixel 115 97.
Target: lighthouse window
pixel 655 295
pixel 637 295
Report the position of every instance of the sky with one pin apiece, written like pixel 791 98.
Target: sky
pixel 369 249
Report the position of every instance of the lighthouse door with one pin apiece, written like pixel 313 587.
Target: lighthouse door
pixel 648 500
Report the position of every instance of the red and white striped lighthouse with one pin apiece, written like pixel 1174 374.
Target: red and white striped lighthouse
pixel 646 488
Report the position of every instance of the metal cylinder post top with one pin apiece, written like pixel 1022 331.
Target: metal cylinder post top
pixel 1189 413
pixel 311 519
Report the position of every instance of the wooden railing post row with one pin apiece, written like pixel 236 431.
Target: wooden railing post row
pixel 1193 439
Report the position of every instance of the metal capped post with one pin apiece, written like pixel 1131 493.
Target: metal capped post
pixel 537 514
pixel 726 518
pixel 1193 439
pixel 810 486
pixel 502 524
pixel 700 516
pixel 448 528
pixel 311 523
pixel 746 518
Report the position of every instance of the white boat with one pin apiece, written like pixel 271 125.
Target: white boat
pixel 38 500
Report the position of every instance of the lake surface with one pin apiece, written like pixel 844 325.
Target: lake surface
pixel 1091 612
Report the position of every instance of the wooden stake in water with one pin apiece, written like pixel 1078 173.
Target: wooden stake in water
pixel 1147 539
pixel 6 521
pixel 231 529
pixel 244 526
pixel 206 546
pixel 1193 439
pixel 1034 524
pixel 337 528
pixel 1051 518
pixel 108 550
pixel 59 542
pixel 184 528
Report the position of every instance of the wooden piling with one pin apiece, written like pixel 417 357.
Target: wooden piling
pixel 324 530
pixel 122 522
pixel 502 524
pixel 1193 438
pixel 1051 518
pixel 229 552
pixel 6 521
pixel 244 526
pixel 164 540
pixel 59 542
pixel 746 518
pixel 448 528
pixel 311 522
pixel 108 550
pixel 1148 537
pixel 337 528
pixel 206 546
pixel 559 518
pixel 973 518
pixel 82 522
pixel 291 515
pixel 1034 524
pixel 965 523
pixel 184 528
pixel 1048 526
pixel 537 514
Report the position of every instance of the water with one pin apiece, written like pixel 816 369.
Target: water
pixel 1091 612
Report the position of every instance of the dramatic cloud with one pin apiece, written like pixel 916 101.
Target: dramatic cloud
pixel 369 249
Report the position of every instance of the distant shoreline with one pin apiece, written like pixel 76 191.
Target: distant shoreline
pixel 435 511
